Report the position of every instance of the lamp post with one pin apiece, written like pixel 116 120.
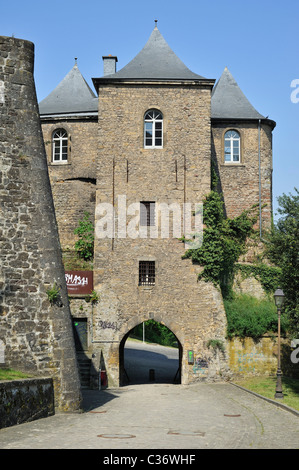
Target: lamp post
pixel 279 299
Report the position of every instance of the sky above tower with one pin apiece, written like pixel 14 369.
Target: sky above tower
pixel 257 40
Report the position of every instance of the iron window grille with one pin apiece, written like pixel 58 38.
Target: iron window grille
pixel 153 129
pixel 232 147
pixel 60 145
pixel 146 273
pixel 147 213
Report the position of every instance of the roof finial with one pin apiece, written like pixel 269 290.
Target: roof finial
pixel 76 60
pixel 156 21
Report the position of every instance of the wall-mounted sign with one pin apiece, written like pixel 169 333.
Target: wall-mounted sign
pixel 79 282
pixel 190 357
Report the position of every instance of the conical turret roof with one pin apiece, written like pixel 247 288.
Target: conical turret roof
pixel 156 61
pixel 72 95
pixel 229 102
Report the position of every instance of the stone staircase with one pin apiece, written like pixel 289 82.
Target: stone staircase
pixel 84 364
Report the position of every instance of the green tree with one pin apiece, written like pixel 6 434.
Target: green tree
pixel 283 250
pixel 85 231
pixel 155 333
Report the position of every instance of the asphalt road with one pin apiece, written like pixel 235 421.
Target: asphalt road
pixel 140 358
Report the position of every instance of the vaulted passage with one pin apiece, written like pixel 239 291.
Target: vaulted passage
pixel 150 353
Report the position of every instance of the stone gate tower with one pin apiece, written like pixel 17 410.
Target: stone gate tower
pixel 154 149
pixel 37 333
pixel 147 143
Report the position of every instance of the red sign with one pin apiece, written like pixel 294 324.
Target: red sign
pixel 79 282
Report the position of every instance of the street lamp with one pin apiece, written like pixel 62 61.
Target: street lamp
pixel 279 299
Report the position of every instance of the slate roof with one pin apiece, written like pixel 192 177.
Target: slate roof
pixel 155 61
pixel 229 102
pixel 72 95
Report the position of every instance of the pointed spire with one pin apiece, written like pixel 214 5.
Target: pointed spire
pixel 229 102
pixel 156 61
pixel 72 94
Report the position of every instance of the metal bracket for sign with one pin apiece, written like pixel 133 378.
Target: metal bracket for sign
pixel 190 357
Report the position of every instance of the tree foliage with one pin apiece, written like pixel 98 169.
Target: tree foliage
pixel 251 317
pixel 155 333
pixel 283 250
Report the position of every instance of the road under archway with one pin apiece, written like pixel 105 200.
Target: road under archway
pixel 144 362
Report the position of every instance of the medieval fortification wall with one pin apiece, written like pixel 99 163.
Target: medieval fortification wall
pixel 37 334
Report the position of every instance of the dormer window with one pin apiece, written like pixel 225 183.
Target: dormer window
pixel 153 129
pixel 60 146
pixel 232 147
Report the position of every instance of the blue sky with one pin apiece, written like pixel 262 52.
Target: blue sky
pixel 257 40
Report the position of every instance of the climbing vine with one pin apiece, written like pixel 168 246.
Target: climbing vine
pixel 224 241
pixel 268 276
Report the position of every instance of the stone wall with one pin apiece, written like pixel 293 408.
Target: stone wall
pixel 259 357
pixel 239 183
pixel 37 335
pixel 25 400
pixel 73 182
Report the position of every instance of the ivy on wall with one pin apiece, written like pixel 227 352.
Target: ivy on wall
pixel 224 241
pixel 268 276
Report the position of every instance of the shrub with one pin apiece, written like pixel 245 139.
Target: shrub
pixel 53 294
pixel 248 316
pixel 85 231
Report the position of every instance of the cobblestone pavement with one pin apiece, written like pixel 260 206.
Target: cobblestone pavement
pixel 162 416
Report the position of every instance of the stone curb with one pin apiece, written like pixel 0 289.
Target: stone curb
pixel 280 405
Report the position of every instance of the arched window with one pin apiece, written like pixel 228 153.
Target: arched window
pixel 153 129
pixel 232 147
pixel 60 145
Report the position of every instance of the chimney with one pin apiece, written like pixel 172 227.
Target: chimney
pixel 109 64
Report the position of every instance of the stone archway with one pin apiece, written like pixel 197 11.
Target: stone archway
pixel 148 373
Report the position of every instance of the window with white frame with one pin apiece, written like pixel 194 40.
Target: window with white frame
pixel 232 147
pixel 60 145
pixel 153 129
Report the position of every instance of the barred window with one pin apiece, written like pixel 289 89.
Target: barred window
pixel 60 145
pixel 153 129
pixel 146 273
pixel 147 213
